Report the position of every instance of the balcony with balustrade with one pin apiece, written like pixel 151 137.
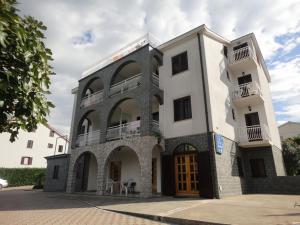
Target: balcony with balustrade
pixel 242 56
pixel 254 136
pixel 89 130
pixel 247 94
pixel 93 93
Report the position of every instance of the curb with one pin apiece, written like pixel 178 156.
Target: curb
pixel 166 219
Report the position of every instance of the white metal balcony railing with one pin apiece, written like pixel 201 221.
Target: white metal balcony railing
pixel 88 138
pixel 245 90
pixel 155 79
pixel 155 126
pixel 254 133
pixel 241 54
pixel 123 131
pixel 126 85
pixel 92 99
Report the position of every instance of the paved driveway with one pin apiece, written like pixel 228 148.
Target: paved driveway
pixel 35 207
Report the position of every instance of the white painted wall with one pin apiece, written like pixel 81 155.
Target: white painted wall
pixel 156 155
pixel 180 85
pixel 11 153
pixel 264 84
pixel 219 89
pixel 289 129
pixel 92 177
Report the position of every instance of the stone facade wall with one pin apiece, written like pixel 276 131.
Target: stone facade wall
pixel 276 185
pixel 254 185
pixel 142 146
pixel 57 184
pixel 228 178
pixel 142 94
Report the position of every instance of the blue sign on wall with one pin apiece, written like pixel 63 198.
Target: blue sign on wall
pixel 219 143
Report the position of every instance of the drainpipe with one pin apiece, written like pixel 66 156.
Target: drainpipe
pixel 209 141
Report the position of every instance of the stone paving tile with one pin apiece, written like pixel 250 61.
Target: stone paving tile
pixel 19 207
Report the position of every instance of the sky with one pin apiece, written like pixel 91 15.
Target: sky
pixel 80 33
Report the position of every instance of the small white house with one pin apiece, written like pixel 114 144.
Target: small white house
pixel 29 149
pixel 289 129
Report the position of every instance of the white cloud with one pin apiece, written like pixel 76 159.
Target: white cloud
pixel 291 113
pixel 114 23
pixel 285 84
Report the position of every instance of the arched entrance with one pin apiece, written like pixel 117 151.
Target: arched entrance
pixel 186 170
pixel 86 171
pixel 122 171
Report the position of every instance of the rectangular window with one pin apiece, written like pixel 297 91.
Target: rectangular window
pixel 51 134
pixel 179 63
pixel 258 168
pixel 50 145
pixel 25 160
pixel 60 148
pixel 29 143
pixel 182 108
pixel 55 172
pixel 240 166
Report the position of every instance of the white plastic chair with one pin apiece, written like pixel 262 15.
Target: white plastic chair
pixel 123 187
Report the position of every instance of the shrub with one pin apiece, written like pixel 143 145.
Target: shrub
pixel 22 176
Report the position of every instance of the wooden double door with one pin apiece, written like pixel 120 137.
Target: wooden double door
pixel 186 174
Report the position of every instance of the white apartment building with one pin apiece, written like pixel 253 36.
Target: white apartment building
pixel 30 148
pixel 192 116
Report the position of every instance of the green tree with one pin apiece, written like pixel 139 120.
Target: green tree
pixel 24 71
pixel 291 155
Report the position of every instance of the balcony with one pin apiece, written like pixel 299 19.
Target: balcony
pixel 155 126
pixel 88 138
pixel 155 80
pixel 247 94
pixel 125 85
pixel 242 57
pixel 92 99
pixel 123 131
pixel 254 136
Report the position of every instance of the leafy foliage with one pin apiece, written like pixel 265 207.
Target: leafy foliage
pixel 22 176
pixel 291 155
pixel 24 71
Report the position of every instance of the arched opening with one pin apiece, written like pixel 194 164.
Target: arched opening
pixel 122 172
pixel 156 169
pixel 124 120
pixel 155 114
pixel 186 170
pixel 93 93
pixel 88 130
pixel 86 171
pixel 126 78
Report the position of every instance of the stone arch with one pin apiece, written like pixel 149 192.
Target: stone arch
pixel 126 158
pixel 95 84
pixel 184 148
pixel 85 170
pixel 125 70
